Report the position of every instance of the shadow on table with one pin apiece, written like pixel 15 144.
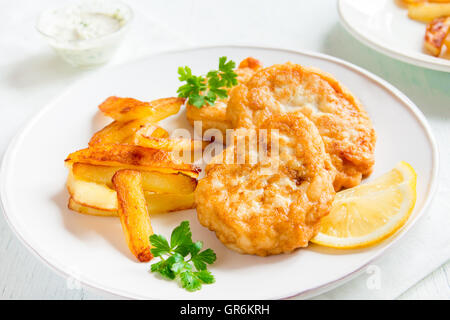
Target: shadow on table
pixel 429 89
pixel 42 69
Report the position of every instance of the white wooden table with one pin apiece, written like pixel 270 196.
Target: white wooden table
pixel 30 76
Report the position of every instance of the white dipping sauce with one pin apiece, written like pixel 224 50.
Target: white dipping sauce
pixel 79 33
pixel 70 26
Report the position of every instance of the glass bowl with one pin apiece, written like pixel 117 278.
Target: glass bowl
pixel 59 26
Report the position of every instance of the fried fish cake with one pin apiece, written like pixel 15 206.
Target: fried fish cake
pixel 344 125
pixel 272 206
pixel 214 117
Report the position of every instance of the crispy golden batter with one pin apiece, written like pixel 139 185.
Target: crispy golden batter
pixel 343 123
pixel 264 209
pixel 214 117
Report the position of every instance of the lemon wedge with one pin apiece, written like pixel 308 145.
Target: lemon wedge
pixel 369 213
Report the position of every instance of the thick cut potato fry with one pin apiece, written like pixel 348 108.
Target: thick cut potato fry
pixel 435 35
pixel 447 42
pixel 120 132
pixel 160 203
pixel 426 11
pixel 168 202
pixel 125 109
pixel 157 133
pixel 93 194
pixel 101 197
pixel 133 213
pixel 133 157
pixel 184 149
pixel 151 180
pixel 418 1
pixel 168 144
pixel 75 206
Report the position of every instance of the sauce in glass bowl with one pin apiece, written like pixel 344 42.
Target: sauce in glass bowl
pixel 86 33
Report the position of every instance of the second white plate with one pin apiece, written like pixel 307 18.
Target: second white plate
pixel 93 250
pixel 384 25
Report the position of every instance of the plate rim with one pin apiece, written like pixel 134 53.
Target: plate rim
pixel 396 93
pixel 442 66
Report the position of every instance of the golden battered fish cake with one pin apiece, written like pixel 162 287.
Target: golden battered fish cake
pixel 214 117
pixel 344 125
pixel 263 208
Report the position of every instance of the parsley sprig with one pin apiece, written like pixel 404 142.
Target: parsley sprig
pixel 184 260
pixel 200 90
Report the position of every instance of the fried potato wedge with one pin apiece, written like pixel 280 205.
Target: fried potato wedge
pixel 75 206
pixel 184 149
pixel 412 1
pixel 436 34
pixel 92 194
pixel 426 11
pixel 169 144
pixel 120 132
pixel 447 42
pixel 159 203
pixel 125 109
pixel 101 197
pixel 151 180
pixel 157 133
pixel 133 157
pixel 168 202
pixel 132 210
pixel 154 132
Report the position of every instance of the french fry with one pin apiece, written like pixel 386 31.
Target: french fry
pixel 183 148
pixel 151 180
pixel 119 132
pixel 133 214
pixel 174 144
pixel 132 157
pixel 447 42
pixel 125 109
pixel 426 11
pixel 100 197
pixel 161 203
pixel 157 133
pixel 93 194
pixel 413 1
pixel 168 202
pixel 435 35
pixel 75 206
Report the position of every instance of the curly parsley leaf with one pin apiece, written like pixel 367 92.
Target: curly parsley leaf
pixel 192 272
pixel 201 90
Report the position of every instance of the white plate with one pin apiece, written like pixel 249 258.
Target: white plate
pixel 93 250
pixel 384 26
